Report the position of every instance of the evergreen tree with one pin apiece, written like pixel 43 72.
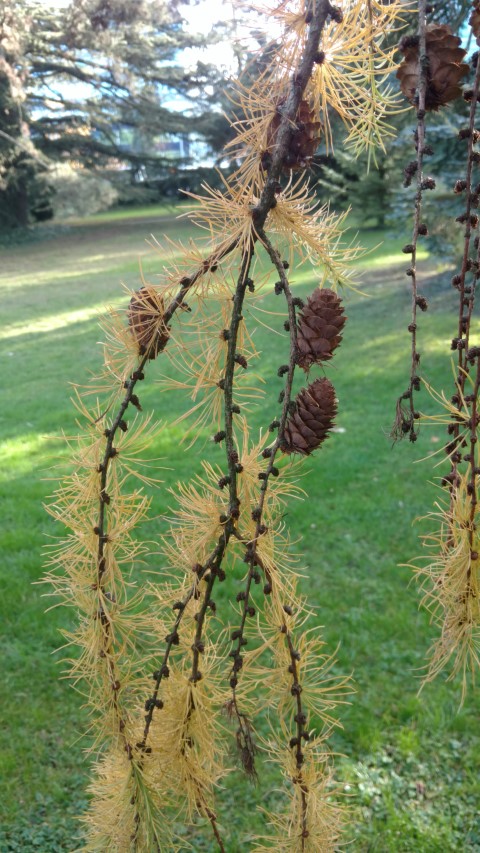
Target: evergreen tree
pixel 23 186
pixel 89 82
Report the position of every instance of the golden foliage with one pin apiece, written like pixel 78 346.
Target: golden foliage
pixel 451 585
pixel 270 665
pixel 125 809
pixel 198 360
pixel 313 820
pixel 188 740
pixel 314 234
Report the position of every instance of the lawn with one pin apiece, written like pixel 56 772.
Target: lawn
pixel 408 763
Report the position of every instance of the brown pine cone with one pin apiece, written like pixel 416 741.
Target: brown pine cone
pixel 304 141
pixel 474 20
pixel 445 71
pixel 319 327
pixel 145 318
pixel 308 426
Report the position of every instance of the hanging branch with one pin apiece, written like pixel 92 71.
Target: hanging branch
pixel 406 413
pixel 450 574
pixel 166 742
pixel 251 557
pixel 469 265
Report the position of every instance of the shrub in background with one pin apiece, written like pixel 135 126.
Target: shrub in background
pixel 78 192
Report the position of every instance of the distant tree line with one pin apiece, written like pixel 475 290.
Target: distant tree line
pixel 87 84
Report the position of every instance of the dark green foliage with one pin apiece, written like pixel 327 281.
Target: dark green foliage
pixel 446 165
pixel 37 832
pixel 453 12
pixel 345 181
pixel 87 83
pixel 24 192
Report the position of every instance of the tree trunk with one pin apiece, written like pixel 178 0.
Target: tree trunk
pixel 20 205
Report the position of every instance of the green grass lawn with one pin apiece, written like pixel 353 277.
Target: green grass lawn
pixel 409 763
pixel 120 214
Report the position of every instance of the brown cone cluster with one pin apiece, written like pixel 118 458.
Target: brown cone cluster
pixel 445 67
pixel 145 313
pixel 319 327
pixel 474 20
pixel 304 141
pixel 313 417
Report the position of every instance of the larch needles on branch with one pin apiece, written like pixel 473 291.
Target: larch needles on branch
pixel 430 76
pixel 173 673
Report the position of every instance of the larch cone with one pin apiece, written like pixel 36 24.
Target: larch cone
pixel 319 327
pixel 145 318
pixel 304 141
pixel 312 419
pixel 445 67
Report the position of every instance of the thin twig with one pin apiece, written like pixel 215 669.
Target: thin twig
pixel 406 418
pixel 466 295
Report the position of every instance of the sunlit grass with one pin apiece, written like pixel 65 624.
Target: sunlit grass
pixel 391 259
pixel 50 322
pixel 24 453
pixel 150 211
